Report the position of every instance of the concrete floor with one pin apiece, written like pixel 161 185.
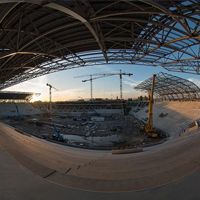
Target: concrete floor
pixel 18 182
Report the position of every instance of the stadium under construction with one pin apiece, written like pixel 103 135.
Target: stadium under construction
pixel 142 148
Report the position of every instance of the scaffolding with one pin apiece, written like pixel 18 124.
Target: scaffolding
pixel 169 87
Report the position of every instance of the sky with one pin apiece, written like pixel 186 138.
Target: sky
pixel 70 88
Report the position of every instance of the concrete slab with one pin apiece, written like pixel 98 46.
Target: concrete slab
pixel 18 183
pixel 100 170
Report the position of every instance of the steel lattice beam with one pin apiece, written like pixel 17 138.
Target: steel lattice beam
pixel 171 87
pixel 41 37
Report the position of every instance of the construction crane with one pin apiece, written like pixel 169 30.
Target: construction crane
pixel 120 74
pixel 91 78
pixel 50 96
pixel 91 86
pixel 103 75
pixel 149 126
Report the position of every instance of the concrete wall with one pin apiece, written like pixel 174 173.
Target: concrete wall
pixel 18 109
pixel 179 115
pixel 107 112
pixel 102 112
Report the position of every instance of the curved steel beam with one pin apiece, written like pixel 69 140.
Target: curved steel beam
pixel 152 42
pixel 23 1
pixel 78 17
pixel 26 53
pixel 168 12
pixel 8 12
pixel 144 33
pixel 41 36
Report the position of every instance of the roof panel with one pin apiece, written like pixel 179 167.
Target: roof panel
pixel 8 95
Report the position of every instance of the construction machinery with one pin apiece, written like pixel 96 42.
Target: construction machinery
pixel 57 134
pixel 50 96
pixel 149 126
pixel 103 75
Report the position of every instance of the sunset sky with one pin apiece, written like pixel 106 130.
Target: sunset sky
pixel 70 88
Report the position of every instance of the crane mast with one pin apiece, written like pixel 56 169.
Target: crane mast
pixel 91 87
pixel 120 74
pixel 50 96
pixel 120 78
pixel 103 75
pixel 149 126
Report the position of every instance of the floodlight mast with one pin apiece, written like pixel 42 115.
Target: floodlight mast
pixel 50 96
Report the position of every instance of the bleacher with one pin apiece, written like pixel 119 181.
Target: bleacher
pixel 177 115
pixel 16 104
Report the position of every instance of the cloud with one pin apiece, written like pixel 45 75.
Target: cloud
pixel 131 83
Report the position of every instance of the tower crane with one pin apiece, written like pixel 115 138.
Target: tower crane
pixel 120 74
pixel 91 78
pixel 103 75
pixel 50 96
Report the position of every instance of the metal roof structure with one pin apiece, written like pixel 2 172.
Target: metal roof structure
pixel 169 87
pixel 38 37
pixel 10 95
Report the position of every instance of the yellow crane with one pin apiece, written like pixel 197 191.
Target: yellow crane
pixel 149 126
